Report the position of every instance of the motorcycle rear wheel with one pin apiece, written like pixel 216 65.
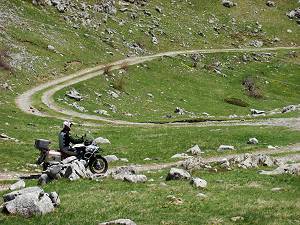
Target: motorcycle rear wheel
pixel 99 165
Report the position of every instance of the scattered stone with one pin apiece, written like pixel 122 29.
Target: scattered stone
pixel 74 94
pixel 256 43
pixel 54 198
pixel 78 107
pixel 131 178
pixel 101 140
pixel 101 112
pixel 18 185
pixel 252 141
pixel 253 161
pixel 201 196
pixel 294 14
pixel 158 9
pixel 194 163
pixel 150 95
pixel 120 172
pixel 44 179
pixel 7 138
pixel 179 111
pixel 237 218
pixel 228 4
pixel 180 156
pixel 271 147
pixel 270 4
pixel 276 189
pixel 51 48
pixel 113 94
pixel 111 158
pixel 290 108
pixel 155 40
pixel 225 148
pixel 124 160
pixel 257 112
pixel 174 200
pixel 198 182
pixel 195 150
pixel 293 169
pixel 178 174
pixel 225 164
pixel 119 222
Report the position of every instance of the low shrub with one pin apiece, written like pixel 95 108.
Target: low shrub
pixel 251 88
pixel 236 101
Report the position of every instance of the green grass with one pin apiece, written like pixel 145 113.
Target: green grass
pixel 241 193
pixel 137 143
pixel 173 82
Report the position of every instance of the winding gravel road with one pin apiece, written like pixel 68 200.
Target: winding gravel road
pixel 25 102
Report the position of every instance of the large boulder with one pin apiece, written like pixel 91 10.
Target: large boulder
pixel 29 202
pixel 293 169
pixel 12 195
pixel 178 174
pixel 101 140
pixel 119 222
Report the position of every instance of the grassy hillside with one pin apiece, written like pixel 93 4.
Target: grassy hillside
pixel 152 91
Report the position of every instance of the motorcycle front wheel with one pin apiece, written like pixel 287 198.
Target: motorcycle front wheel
pixel 98 165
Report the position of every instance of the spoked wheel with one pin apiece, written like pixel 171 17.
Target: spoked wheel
pixel 99 165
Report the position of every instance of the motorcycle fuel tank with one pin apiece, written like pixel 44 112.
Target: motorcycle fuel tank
pixel 53 156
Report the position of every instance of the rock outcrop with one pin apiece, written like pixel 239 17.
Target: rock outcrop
pixel 30 202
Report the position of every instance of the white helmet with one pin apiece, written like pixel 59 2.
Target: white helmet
pixel 67 124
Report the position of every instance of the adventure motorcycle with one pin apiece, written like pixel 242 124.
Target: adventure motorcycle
pixel 89 151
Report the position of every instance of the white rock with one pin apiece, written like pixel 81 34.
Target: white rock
pixel 51 48
pixel 277 189
pixel 225 147
pixel 111 158
pixel 198 182
pixel 180 156
pixel 119 222
pixel 194 150
pixel 271 147
pixel 18 185
pixel 252 141
pixel 201 195
pixel 101 140
pixel 178 174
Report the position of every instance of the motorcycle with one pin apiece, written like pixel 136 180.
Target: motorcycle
pixel 88 151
